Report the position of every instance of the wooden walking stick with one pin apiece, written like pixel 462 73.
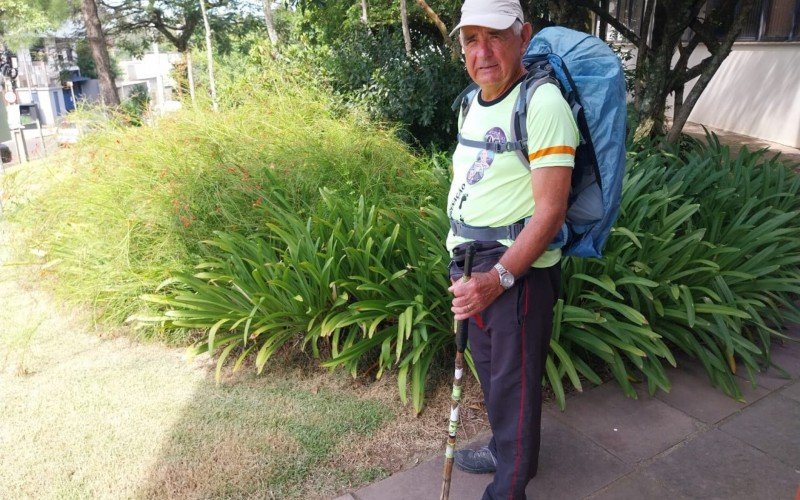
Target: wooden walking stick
pixel 461 344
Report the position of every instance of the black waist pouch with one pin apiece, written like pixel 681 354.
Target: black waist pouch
pixel 487 254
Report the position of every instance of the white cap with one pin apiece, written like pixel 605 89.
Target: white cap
pixel 495 14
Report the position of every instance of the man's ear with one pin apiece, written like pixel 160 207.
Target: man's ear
pixel 527 33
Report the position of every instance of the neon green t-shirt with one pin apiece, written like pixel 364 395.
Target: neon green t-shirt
pixel 494 189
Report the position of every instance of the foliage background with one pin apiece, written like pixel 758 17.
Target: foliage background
pixel 289 221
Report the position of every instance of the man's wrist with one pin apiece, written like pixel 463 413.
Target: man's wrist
pixel 504 276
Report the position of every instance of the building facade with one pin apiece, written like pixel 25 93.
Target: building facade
pixel 755 91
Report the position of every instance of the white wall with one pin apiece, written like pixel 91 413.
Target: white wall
pixel 755 92
pixel 150 65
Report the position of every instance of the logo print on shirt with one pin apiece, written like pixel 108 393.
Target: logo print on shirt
pixel 485 156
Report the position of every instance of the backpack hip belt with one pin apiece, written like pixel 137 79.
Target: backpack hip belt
pixel 497 233
pixel 509 232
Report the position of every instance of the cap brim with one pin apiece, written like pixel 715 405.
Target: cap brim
pixel 494 21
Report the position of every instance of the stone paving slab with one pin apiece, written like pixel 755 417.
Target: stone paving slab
pixel 787 356
pixel 607 446
pixel 792 391
pixel 693 394
pixel 425 481
pixel 631 429
pixel 636 486
pixel 570 464
pixel 773 428
pixel 715 465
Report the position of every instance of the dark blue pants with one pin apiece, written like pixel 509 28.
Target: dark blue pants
pixel 509 342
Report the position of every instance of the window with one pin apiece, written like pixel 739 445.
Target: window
pixel 752 24
pixel 770 20
pixel 780 19
pixel 629 12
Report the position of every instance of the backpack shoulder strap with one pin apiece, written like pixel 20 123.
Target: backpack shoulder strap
pixel 464 101
pixel 538 74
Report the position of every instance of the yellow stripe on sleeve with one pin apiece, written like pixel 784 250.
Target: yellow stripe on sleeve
pixel 553 150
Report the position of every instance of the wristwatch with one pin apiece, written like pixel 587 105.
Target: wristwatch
pixel 506 278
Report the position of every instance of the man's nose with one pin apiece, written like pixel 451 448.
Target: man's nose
pixel 483 48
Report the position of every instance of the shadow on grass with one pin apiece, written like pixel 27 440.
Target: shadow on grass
pixel 276 436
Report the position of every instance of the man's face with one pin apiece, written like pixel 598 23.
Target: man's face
pixel 494 57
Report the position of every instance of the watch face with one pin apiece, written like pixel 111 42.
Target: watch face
pixel 507 280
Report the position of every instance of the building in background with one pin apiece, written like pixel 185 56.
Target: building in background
pixel 39 82
pixel 153 70
pixel 755 92
pixel 50 78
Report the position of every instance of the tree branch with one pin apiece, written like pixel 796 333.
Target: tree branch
pixel 695 71
pixel 705 34
pixel 611 20
pixel 709 68
pixel 442 28
pixel 685 54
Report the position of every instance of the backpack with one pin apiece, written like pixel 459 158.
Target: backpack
pixel 591 80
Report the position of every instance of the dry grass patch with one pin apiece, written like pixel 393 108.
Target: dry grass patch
pixel 409 440
pixel 82 416
pixel 88 413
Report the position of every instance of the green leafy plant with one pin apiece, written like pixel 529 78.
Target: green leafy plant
pixel 703 260
pixel 357 284
pixel 129 206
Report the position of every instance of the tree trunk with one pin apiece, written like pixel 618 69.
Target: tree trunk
pixel 677 103
pixel 364 17
pixel 715 60
pixel 653 86
pixel 102 61
pixel 406 31
pixel 190 75
pixel 273 35
pixel 455 50
pixel 212 84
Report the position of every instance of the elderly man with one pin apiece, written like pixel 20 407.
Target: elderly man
pixel 509 300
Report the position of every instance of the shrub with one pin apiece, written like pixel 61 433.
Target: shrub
pixel 373 71
pixel 359 284
pixel 704 259
pixel 134 108
pixel 130 206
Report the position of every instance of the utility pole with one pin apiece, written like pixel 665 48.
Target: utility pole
pixel 210 57
pixel 160 98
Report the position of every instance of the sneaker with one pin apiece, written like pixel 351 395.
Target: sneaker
pixel 480 461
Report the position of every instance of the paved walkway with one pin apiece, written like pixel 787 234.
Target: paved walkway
pixel 693 442
pixel 735 141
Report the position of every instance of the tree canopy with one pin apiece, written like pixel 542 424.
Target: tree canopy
pixel 24 20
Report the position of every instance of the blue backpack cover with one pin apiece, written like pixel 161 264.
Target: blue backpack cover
pixel 591 76
pixel 591 79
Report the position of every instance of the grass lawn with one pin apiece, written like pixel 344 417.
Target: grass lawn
pixel 88 413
